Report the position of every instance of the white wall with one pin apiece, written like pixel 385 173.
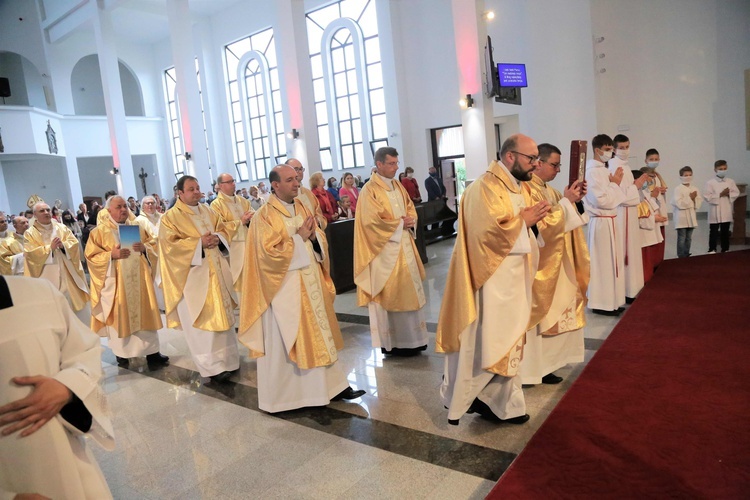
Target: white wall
pixel 44 177
pixel 11 67
pixel 95 175
pixel 88 93
pixel 675 80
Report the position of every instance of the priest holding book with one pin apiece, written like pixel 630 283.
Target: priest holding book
pixel 123 300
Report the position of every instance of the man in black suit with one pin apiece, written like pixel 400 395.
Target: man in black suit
pixel 434 185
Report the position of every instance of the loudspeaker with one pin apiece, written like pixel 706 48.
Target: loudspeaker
pixel 4 87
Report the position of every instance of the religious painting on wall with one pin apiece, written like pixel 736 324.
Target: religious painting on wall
pixel 51 139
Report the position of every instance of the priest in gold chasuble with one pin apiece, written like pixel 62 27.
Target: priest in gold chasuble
pixel 388 271
pixel 123 301
pixel 52 252
pixel 555 335
pixel 487 300
pixel 11 248
pixel 197 281
pixel 287 320
pixel 236 213
pixel 149 219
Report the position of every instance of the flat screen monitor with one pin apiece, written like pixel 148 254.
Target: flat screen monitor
pixel 512 75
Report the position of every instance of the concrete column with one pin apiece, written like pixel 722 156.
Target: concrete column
pixel 188 96
pixel 295 78
pixel 393 84
pixel 470 33
pixel 74 181
pixel 113 101
pixel 4 201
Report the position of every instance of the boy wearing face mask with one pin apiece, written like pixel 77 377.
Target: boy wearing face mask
pixel 659 193
pixel 720 193
pixel 606 292
pixel 649 219
pixel 628 234
pixel 686 199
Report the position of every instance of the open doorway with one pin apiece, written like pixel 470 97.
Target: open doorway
pixel 449 161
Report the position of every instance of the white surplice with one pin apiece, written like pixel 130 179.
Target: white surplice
pixel 607 283
pixel 42 336
pixel 282 385
pixel 628 234
pixel 212 352
pixel 543 354
pixel 503 310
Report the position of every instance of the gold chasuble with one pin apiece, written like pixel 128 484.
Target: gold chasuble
pixel 480 248
pixel 560 248
pixel 122 290
pixel 378 217
pixel 312 205
pixel 69 276
pixel 317 338
pixel 150 224
pixel 179 238
pixel 231 209
pixel 10 246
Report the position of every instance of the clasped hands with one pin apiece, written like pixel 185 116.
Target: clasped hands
pixel 55 243
pixel 124 253
pixel 307 229
pixel 247 217
pixel 210 240
pixel 725 192
pixel 409 222
pixel 533 214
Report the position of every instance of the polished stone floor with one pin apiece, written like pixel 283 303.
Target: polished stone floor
pixel 179 436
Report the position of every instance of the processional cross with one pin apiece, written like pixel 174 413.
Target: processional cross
pixel 143 176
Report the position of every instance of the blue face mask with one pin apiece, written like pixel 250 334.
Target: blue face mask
pixel 721 173
pixel 653 164
pixel 433 174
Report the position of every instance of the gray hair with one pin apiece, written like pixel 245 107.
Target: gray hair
pixel 109 200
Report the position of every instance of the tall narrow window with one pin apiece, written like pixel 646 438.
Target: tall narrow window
pixel 173 115
pixel 255 105
pixel 347 82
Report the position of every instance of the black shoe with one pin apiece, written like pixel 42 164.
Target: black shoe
pixel 516 420
pixel 221 377
pixel 404 352
pixel 551 379
pixel 629 300
pixel 602 312
pixel 348 394
pixel 479 406
pixel 122 362
pixel 156 360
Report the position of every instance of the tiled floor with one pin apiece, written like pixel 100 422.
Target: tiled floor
pixel 182 437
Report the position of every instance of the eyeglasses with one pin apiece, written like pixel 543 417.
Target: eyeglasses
pixel 230 181
pixel 532 159
pixel 553 165
pixel 299 169
pixel 393 163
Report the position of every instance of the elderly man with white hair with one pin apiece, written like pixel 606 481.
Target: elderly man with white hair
pixel 149 219
pixel 123 301
pixel 52 252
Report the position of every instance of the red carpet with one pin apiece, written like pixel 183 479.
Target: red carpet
pixel 663 408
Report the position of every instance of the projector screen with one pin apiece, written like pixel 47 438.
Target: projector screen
pixel 512 75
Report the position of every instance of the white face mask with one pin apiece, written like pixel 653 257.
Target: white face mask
pixel 686 179
pixel 605 156
pixel 721 173
pixel 410 175
pixel 652 164
pixel 622 153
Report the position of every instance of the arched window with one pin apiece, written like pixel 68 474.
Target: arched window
pixel 347 82
pixel 255 105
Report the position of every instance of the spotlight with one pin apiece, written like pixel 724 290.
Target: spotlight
pixel 294 134
pixel 114 171
pixel 489 15
pixel 466 102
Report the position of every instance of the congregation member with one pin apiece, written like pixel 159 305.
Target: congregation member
pixel 627 233
pixel 686 200
pixel 264 191
pixel 659 193
pixel 349 188
pixel 287 319
pixel 333 188
pixel 123 300
pixel 236 213
pixel 197 281
pixel 133 206
pixel 555 335
pixel 71 223
pixel 345 208
pixel 11 248
pixel 606 291
pixel 52 252
pixel 434 186
pixel 720 193
pixel 488 293
pixel 411 185
pixel 149 220
pixel 388 270
pixel 326 201
pixel 83 215
pixel 306 196
pixel 50 367
pixel 256 201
